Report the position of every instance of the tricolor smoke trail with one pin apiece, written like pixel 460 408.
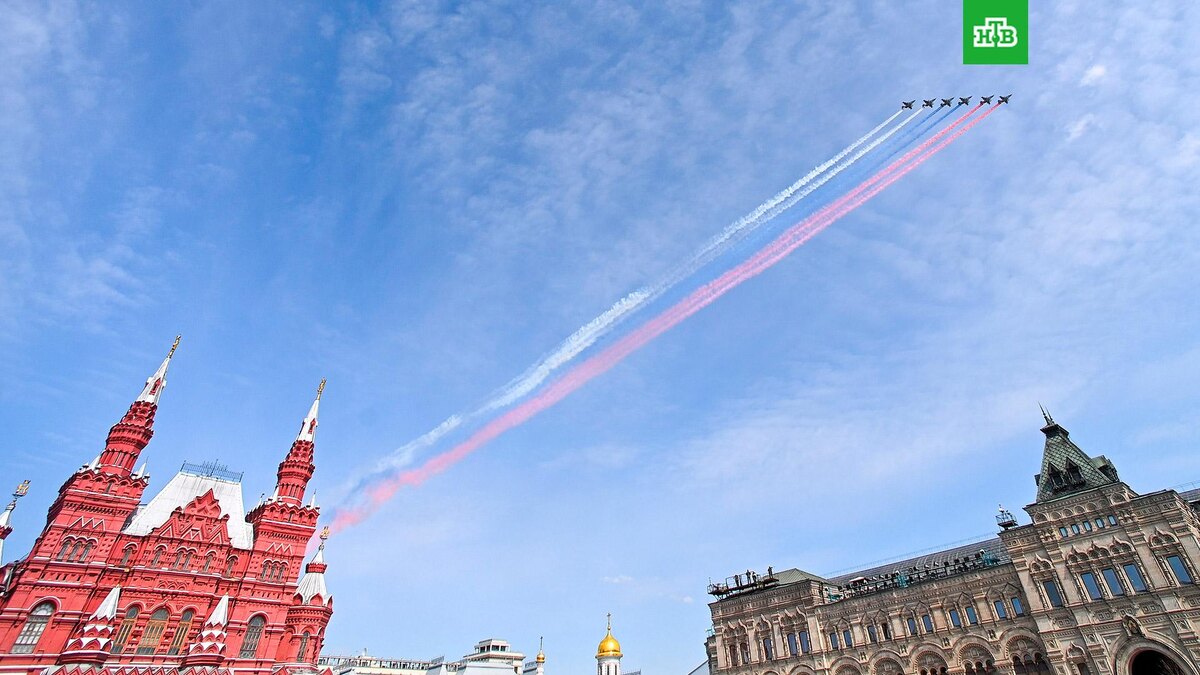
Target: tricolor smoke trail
pixel 779 248
pixel 589 333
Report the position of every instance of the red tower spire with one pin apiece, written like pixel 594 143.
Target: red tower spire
pixel 297 468
pixel 129 437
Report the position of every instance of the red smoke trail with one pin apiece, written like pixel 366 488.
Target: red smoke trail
pixel 596 365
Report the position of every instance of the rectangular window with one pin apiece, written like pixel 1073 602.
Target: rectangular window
pixel 1136 582
pixel 887 631
pixel 1100 523
pixel 872 634
pixel 833 641
pixel 1087 525
pixel 847 638
pixel 912 626
pixel 1091 585
pixel 1179 569
pixel 1112 520
pixel 1075 528
pixel 927 621
pixel 1001 610
pixel 1113 581
pixel 793 647
pixel 1062 531
pixel 955 619
pixel 972 615
pixel 805 645
pixel 1018 607
pixel 769 649
pixel 1052 593
pixel 745 649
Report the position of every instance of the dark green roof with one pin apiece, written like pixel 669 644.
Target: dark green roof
pixel 1066 469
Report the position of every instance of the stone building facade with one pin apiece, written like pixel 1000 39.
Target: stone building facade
pixel 1101 582
pixel 188 582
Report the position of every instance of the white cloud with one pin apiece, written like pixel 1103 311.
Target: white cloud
pixel 1080 126
pixel 1093 75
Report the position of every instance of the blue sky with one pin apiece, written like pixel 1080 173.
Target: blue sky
pixel 417 200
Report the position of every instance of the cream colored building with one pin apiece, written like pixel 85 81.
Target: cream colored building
pixel 1102 582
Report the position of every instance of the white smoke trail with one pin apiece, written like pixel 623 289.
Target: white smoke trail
pixel 601 325
pixel 593 330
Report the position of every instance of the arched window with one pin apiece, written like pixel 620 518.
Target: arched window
pixel 254 631
pixel 181 631
pixel 266 570
pixel 158 554
pixel 152 634
pixel 208 561
pixel 303 650
pixel 229 565
pixel 126 628
pixel 34 626
pixel 82 554
pixel 66 546
pixel 179 558
pixel 127 555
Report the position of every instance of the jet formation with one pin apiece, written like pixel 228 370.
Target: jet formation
pixel 947 102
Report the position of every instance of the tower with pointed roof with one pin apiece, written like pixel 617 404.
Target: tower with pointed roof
pixel 1066 469
pixel 608 653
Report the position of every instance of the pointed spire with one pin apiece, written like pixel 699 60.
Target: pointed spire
pixel 312 503
pixel 541 655
pixel 141 472
pixel 1045 415
pixel 129 437
pixel 94 641
pixel 94 464
pixel 156 382
pixel 6 515
pixel 220 614
pixel 1067 469
pixel 297 467
pixel 308 428
pixel 108 608
pixel 209 647
pixel 312 584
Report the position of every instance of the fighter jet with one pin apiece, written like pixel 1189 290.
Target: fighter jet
pixel 1004 99
pixel 964 100
pixel 908 104
pixel 928 103
pixel 985 99
pixel 946 103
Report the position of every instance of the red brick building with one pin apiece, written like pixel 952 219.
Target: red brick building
pixel 187 582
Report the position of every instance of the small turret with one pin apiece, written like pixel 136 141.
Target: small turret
pixel 95 640
pixel 129 437
pixel 209 647
pixel 297 467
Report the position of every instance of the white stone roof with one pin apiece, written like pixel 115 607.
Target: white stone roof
pixel 185 487
pixel 313 583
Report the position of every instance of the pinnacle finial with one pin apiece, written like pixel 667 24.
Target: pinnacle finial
pixel 320 388
pixel 21 490
pixel 174 346
pixel 324 533
pixel 610 622
pixel 1045 415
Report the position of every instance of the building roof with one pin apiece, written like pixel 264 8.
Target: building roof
pixel 1191 496
pixel 312 583
pixel 1066 469
pixel 185 486
pixel 990 549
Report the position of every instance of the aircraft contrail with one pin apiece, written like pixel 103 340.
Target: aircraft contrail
pixel 598 327
pixel 778 249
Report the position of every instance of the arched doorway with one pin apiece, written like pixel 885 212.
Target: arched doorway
pixel 1153 662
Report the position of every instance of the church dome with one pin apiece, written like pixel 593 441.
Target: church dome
pixel 608 646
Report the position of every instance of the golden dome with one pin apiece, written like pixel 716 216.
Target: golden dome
pixel 609 645
pixel 541 658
